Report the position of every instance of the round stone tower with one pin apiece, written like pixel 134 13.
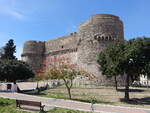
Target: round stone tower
pixel 33 54
pixel 95 35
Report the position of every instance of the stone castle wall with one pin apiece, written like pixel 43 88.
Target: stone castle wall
pixel 94 36
pixel 33 54
pixel 82 47
pixel 62 43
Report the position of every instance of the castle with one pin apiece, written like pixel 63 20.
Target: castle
pixel 82 46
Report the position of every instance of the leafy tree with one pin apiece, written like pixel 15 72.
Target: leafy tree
pixel 66 73
pixel 1 51
pixel 12 70
pixel 128 58
pixel 109 61
pixel 38 77
pixel 9 50
pixel 1 70
pixel 61 68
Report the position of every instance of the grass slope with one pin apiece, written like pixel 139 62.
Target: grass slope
pixel 9 106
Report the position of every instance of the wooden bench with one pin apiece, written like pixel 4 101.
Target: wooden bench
pixel 19 104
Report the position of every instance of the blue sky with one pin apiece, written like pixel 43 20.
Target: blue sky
pixel 42 20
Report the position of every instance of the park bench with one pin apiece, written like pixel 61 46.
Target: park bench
pixel 21 103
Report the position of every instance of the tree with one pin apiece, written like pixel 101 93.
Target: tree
pixel 9 50
pixel 1 51
pixel 109 61
pixel 66 73
pixel 126 58
pixel 12 70
pixel 38 77
pixel 62 69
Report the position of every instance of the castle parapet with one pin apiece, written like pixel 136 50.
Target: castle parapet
pixel 33 47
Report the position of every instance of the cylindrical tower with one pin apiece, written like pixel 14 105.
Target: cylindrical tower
pixel 33 54
pixel 94 35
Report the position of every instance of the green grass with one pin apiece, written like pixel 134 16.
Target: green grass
pixel 63 96
pixel 9 106
pixel 102 95
pixel 76 97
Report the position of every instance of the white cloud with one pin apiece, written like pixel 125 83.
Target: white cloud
pixel 7 7
pixel 17 15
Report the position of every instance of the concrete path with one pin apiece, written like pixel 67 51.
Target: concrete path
pixel 74 104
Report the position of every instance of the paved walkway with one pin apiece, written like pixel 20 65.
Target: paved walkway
pixel 74 104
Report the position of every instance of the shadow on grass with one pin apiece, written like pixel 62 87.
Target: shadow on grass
pixel 4 104
pixel 40 94
pixel 131 90
pixel 137 101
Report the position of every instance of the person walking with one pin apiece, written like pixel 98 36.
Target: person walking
pixel 14 87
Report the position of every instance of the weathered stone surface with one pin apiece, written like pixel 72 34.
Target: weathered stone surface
pixel 33 54
pixel 82 47
pixel 94 36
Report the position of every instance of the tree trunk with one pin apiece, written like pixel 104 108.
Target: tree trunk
pixel 147 82
pixel 37 86
pixel 69 92
pixel 68 87
pixel 116 84
pixel 127 88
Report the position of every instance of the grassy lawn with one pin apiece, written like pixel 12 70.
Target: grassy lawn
pixel 102 95
pixel 9 106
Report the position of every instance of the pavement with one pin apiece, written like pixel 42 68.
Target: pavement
pixel 24 85
pixel 51 102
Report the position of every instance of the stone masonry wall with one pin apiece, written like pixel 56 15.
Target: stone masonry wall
pixel 62 43
pixel 33 54
pixel 94 36
pixel 82 47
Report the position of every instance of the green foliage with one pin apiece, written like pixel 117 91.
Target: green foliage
pixel 64 72
pixel 110 59
pixel 130 57
pixel 9 106
pixel 9 50
pixel 1 51
pixel 12 70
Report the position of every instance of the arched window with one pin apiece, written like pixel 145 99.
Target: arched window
pixel 110 38
pixel 106 38
pixel 102 38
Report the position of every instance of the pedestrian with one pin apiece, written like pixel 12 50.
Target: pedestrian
pixel 14 87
